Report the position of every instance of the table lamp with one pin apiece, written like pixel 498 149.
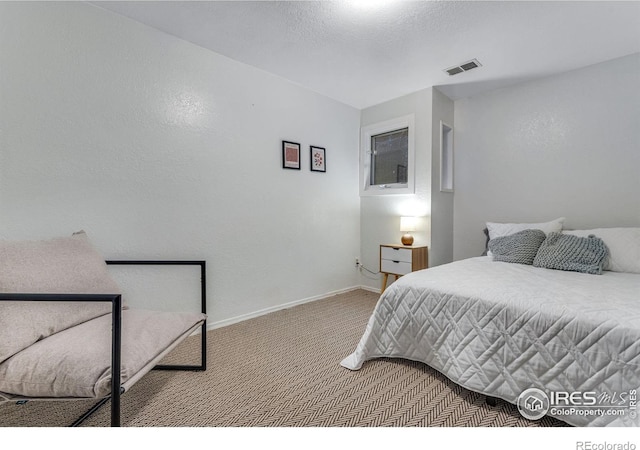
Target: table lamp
pixel 407 224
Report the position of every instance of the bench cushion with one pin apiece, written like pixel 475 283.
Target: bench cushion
pixel 67 265
pixel 76 362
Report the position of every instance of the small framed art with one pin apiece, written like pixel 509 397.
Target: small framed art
pixel 290 155
pixel 318 159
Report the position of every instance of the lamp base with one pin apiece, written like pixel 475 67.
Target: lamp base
pixel 407 239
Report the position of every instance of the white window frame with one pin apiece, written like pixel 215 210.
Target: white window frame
pixel 446 154
pixel 366 189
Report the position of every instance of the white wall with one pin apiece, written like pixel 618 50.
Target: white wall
pixel 567 145
pixel 380 215
pixel 161 149
pixel 441 249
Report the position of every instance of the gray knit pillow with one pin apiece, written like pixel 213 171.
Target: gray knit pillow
pixel 577 254
pixel 520 247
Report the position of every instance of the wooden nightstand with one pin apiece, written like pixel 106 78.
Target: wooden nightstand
pixel 400 260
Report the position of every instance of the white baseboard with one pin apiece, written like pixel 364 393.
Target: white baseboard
pixel 262 312
pixel 370 289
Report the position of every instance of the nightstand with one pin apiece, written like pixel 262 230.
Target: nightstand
pixel 400 260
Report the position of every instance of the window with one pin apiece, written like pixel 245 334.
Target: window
pixel 446 158
pixel 387 157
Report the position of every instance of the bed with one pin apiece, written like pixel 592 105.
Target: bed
pixel 499 329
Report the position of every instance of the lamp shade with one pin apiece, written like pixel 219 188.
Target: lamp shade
pixel 407 224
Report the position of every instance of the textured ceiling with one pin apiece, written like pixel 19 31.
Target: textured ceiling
pixel 366 52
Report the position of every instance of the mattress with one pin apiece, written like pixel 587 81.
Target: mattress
pixel 499 329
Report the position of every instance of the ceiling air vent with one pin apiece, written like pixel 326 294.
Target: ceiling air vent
pixel 464 67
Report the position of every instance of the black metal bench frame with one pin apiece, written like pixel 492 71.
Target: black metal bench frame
pixel 116 330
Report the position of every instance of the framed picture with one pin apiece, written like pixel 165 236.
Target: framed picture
pixel 290 155
pixel 318 159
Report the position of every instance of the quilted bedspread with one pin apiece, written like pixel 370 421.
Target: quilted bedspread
pixel 498 329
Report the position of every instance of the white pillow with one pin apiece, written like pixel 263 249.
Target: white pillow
pixel 623 245
pixel 506 229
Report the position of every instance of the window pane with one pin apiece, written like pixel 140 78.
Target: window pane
pixel 390 157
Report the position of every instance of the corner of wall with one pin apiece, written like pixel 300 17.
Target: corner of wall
pixel 380 215
pixel 441 251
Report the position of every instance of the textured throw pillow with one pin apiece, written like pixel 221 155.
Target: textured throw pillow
pixel 504 229
pixel 567 252
pixel 623 245
pixel 64 266
pixel 520 247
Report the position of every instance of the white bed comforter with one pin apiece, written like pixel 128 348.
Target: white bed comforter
pixel 498 329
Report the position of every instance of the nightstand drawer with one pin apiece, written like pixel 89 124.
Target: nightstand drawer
pixel 396 254
pixel 395 267
pixel 400 260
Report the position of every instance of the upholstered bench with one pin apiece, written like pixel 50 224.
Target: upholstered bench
pixel 65 333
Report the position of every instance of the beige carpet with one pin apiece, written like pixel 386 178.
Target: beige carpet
pixel 282 369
